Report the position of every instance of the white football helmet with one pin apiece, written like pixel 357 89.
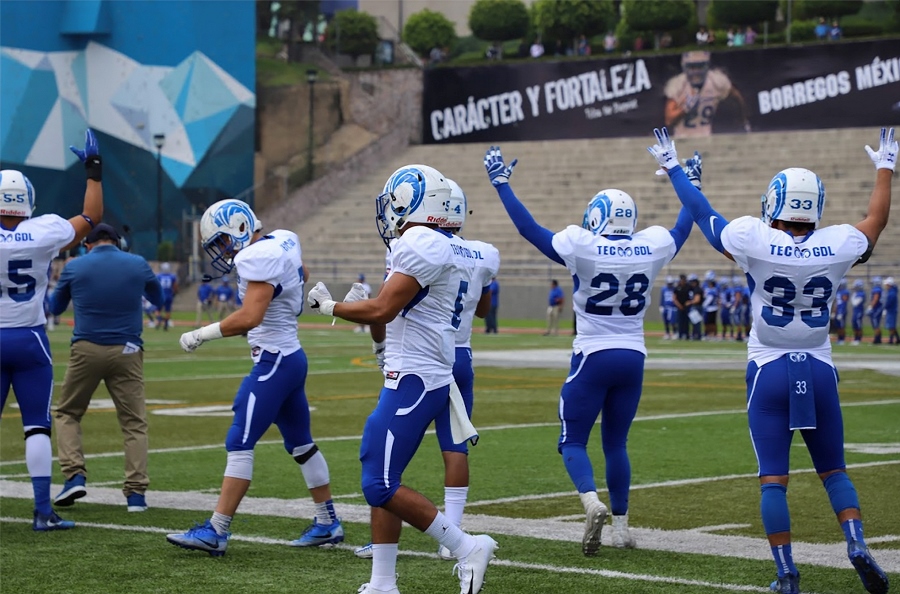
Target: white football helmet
pixel 889 281
pixel 16 194
pixel 413 194
pixel 795 195
pixel 459 208
pixel 859 284
pixel 165 267
pixel 610 212
pixel 876 281
pixel 225 229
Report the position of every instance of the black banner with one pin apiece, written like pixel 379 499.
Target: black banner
pixel 696 94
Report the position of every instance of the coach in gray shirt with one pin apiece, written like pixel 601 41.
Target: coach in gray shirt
pixel 105 286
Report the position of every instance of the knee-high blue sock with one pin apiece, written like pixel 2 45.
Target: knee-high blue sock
pixel 618 479
pixel 41 486
pixel 776 518
pixel 842 495
pixel 578 465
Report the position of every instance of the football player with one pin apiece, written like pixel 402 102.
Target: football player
pixel 614 268
pixel 858 303
pixel 272 275
pixel 421 302
pixel 839 317
pixel 693 96
pixel 27 246
pixel 793 268
pixel 890 310
pixel 667 309
pixel 875 309
pixel 169 284
pixel 710 306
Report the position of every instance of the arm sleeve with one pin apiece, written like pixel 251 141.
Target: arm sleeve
pixel 527 227
pixel 152 289
pixel 708 220
pixel 60 298
pixel 682 228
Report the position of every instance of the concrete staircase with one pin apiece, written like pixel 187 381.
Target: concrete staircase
pixel 555 180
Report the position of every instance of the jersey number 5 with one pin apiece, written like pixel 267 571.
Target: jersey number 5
pixel 16 293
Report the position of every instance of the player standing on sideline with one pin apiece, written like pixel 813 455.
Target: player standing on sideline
pixel 667 309
pixel 791 380
pixel 614 269
pixel 858 302
pixel 367 289
pixel 710 307
pixel 29 246
pixel 272 276
pixel 169 284
pixel 890 310
pixel 204 302
pixel 840 311
pixel 726 301
pixel 421 302
pixel 875 309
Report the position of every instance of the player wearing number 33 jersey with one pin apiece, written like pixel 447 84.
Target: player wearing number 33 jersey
pixel 794 270
pixel 613 269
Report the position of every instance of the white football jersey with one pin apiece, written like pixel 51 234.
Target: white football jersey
pixel 613 279
pixel 274 259
pixel 792 285
pixel 25 257
pixel 700 103
pixel 487 264
pixel 422 338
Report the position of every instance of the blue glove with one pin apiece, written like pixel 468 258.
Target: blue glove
pixel 693 168
pixel 498 171
pixel 90 156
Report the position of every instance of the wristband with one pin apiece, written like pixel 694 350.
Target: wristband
pixel 89 220
pixel 211 332
pixel 93 166
pixel 326 308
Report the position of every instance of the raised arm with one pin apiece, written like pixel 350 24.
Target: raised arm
pixel 885 160
pixel 92 211
pixel 499 174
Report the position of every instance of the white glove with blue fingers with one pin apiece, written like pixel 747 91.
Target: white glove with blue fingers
pixel 320 299
pixel 664 151
pixel 693 169
pixel 886 155
pixel 378 349
pixel 498 171
pixel 356 293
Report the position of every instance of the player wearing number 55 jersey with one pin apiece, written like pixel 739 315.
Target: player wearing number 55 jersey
pixel 27 245
pixel 613 268
pixel 794 270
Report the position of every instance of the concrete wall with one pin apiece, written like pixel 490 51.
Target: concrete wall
pixel 283 118
pixel 380 100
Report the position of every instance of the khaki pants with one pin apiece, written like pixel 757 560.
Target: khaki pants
pixel 204 307
pixel 124 377
pixel 553 319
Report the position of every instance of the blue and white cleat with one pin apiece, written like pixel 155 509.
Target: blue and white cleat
pixel 874 580
pixel 136 502
pixel 364 552
pixel 202 537
pixel 318 535
pixel 789 584
pixel 72 489
pixel 44 523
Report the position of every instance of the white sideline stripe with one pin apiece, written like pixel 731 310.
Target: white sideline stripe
pixel 675 541
pixel 672 483
pixel 497 562
pixel 662 417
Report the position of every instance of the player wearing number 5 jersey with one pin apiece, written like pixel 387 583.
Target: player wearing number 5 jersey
pixel 27 246
pixel 794 269
pixel 613 268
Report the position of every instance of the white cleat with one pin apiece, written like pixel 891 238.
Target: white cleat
pixel 472 567
pixel 369 589
pixel 445 554
pixel 596 514
pixel 621 535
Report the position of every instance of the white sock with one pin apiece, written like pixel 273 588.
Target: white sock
pixel 323 518
pixel 446 533
pixel 220 522
pixel 384 566
pixel 38 454
pixel 455 503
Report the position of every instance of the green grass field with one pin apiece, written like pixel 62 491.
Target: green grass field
pixel 694 503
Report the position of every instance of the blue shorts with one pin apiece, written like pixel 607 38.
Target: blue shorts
pixel 167 303
pixel 875 318
pixel 768 412
pixel 274 392
pixel 890 320
pixel 857 320
pixel 840 321
pixel 464 376
pixel 726 316
pixel 26 366
pixel 393 433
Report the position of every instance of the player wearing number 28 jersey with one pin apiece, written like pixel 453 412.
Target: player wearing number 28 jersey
pixel 613 269
pixel 794 270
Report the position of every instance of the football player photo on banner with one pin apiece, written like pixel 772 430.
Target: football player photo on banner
pixel 695 93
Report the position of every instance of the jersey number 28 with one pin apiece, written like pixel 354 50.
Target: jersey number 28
pixel 635 288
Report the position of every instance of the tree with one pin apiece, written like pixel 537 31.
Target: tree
pixel 352 32
pixel 498 20
pixel 427 29
pixel 657 15
pixel 564 20
pixel 746 12
pixel 810 9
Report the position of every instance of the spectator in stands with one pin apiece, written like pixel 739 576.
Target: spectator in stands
pixel 494 51
pixel 583 48
pixel 739 38
pixel 702 36
pixel 835 33
pixel 490 321
pixel 730 37
pixel 749 36
pixel 555 301
pixel 610 42
pixel 822 29
pixel 537 48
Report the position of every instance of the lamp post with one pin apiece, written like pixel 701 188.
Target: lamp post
pixel 311 76
pixel 159 140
